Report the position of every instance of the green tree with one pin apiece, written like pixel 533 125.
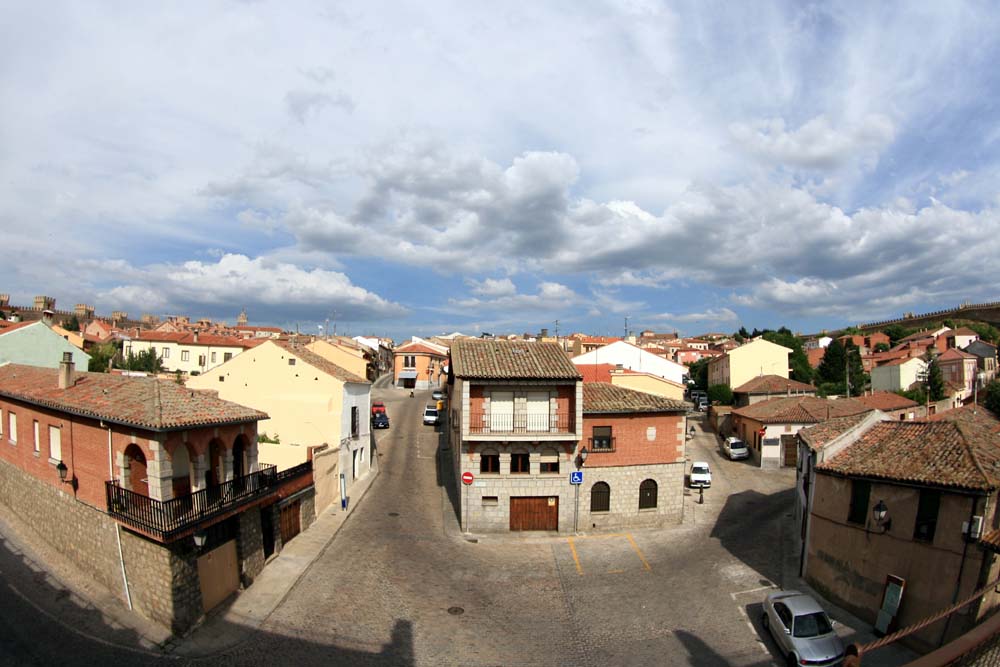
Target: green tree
pixel 721 394
pixel 101 357
pixel 917 394
pixel 935 382
pixel 741 335
pixel 698 371
pixel 881 347
pixel 798 361
pixel 859 379
pixel 833 366
pixel 987 332
pixel 72 324
pixel 896 332
pixel 144 361
pixel 992 398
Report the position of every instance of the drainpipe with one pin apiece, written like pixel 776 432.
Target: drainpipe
pixel 118 528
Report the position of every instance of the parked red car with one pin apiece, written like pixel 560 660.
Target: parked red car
pixel 377 407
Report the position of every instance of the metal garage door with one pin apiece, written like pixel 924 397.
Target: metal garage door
pixel 535 513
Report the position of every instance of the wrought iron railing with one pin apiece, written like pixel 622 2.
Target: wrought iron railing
pixel 601 444
pixel 481 422
pixel 163 519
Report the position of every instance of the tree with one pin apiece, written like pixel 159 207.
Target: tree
pixel 144 361
pixel 881 347
pixel 987 332
pixel 935 382
pixel 992 399
pixel 698 371
pixel 856 370
pixel 72 324
pixel 742 335
pixel 721 394
pixel 797 360
pixel 896 332
pixel 101 357
pixel 833 366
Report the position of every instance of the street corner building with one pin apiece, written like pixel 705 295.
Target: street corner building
pixel 520 423
pixel 151 488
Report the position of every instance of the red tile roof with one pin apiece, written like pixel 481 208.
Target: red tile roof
pixel 418 348
pixel 188 338
pixel 800 409
pixel 887 401
pixel 143 402
pixel 954 354
pixel 600 398
pixel 599 372
pixel 320 363
pixel 14 326
pixel 941 454
pixel 773 384
pixel 818 436
pixel 505 359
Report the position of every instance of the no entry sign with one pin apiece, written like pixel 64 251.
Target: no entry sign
pixel 467 478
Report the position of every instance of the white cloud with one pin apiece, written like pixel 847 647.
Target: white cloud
pixel 550 297
pixel 713 315
pixel 492 287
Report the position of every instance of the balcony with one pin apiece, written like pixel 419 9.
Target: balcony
pixel 166 519
pixel 519 424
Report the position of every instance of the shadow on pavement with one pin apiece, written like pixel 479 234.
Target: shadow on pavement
pixel 762 548
pixel 445 470
pixel 703 655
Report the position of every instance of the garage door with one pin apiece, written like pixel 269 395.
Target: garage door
pixel 790 445
pixel 535 513
pixel 218 574
pixel 290 525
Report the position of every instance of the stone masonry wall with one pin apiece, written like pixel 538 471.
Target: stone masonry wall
pixel 624 509
pixel 250 547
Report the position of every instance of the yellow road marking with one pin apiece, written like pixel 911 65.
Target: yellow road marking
pixel 576 557
pixel 616 571
pixel 638 551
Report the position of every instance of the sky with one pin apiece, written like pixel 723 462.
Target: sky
pixel 401 169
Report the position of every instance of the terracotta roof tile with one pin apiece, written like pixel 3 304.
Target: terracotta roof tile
pixel 887 401
pixel 932 453
pixel 800 409
pixel 188 338
pixel 320 363
pixel 608 398
pixel 772 384
pixel 816 437
pixel 418 348
pixel 504 359
pixel 144 402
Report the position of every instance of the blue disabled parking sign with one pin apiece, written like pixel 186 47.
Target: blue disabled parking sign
pixel 576 477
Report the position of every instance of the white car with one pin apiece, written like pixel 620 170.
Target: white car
pixel 431 415
pixel 701 475
pixel 735 448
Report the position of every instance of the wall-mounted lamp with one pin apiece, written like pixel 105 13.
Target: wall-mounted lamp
pixel 63 473
pixel 879 513
pixel 581 458
pixel 199 539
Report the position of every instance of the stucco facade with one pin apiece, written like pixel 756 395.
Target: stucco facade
pixel 741 364
pixel 650 384
pixel 36 344
pixel 347 358
pixel 897 375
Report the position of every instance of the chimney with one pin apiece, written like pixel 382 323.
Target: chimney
pixel 66 371
pixel 196 336
pixel 47 316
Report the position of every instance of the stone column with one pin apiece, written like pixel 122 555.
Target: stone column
pixel 199 466
pixel 504 463
pixel 251 453
pixel 227 465
pixel 159 472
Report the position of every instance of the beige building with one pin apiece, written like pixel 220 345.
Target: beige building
pixel 192 353
pixel 648 383
pixel 899 374
pixel 350 358
pixel 420 364
pixel 756 358
pixel 310 401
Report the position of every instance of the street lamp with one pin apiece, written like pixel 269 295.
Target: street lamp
pixel 581 458
pixel 879 513
pixel 199 539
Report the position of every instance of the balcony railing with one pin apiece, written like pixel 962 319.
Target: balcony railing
pixel 601 444
pixel 482 423
pixel 164 519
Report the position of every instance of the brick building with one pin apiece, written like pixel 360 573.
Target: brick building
pixel 152 489
pixel 634 471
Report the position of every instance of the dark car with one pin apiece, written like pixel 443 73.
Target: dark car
pixel 380 420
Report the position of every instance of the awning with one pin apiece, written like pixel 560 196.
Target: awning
pixel 407 375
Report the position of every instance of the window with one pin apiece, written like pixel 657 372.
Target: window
pixel 201 359
pixel 602 439
pixel 502 411
pixel 600 497
pixel 549 461
pixel 520 464
pixel 860 493
pixel 213 357
pixel 927 513
pixel 651 433
pixel 647 494
pixel 489 463
pixel 55 443
pixel 490 501
pixel 226 356
pixel 185 355
pixel 409 361
pixel 291 362
pixel 38 445
pixel 355 421
pixel 166 353
pixel 12 427
pixel 538 411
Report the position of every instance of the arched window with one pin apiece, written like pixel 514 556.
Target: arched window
pixel 489 462
pixel 647 494
pixel 600 497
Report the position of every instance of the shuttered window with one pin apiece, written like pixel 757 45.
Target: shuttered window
pixel 538 411
pixel 55 443
pixel 502 411
pixel 549 461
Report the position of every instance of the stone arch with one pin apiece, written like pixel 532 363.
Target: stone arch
pixel 241 456
pixel 136 476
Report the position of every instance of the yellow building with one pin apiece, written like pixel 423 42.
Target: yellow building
pixel 349 358
pixel 310 401
pixel 753 359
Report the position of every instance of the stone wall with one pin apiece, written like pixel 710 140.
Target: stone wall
pixel 624 509
pixel 307 509
pixel 163 581
pixel 250 547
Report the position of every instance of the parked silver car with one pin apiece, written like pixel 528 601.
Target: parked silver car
pixel 801 629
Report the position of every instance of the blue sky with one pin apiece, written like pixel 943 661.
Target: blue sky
pixel 430 167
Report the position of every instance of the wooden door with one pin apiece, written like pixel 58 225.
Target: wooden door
pixel 218 574
pixel 534 513
pixel 290 525
pixel 790 445
pixel 137 478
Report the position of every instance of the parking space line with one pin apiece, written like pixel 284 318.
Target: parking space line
pixel 638 551
pixel 751 590
pixel 576 556
pixel 760 642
